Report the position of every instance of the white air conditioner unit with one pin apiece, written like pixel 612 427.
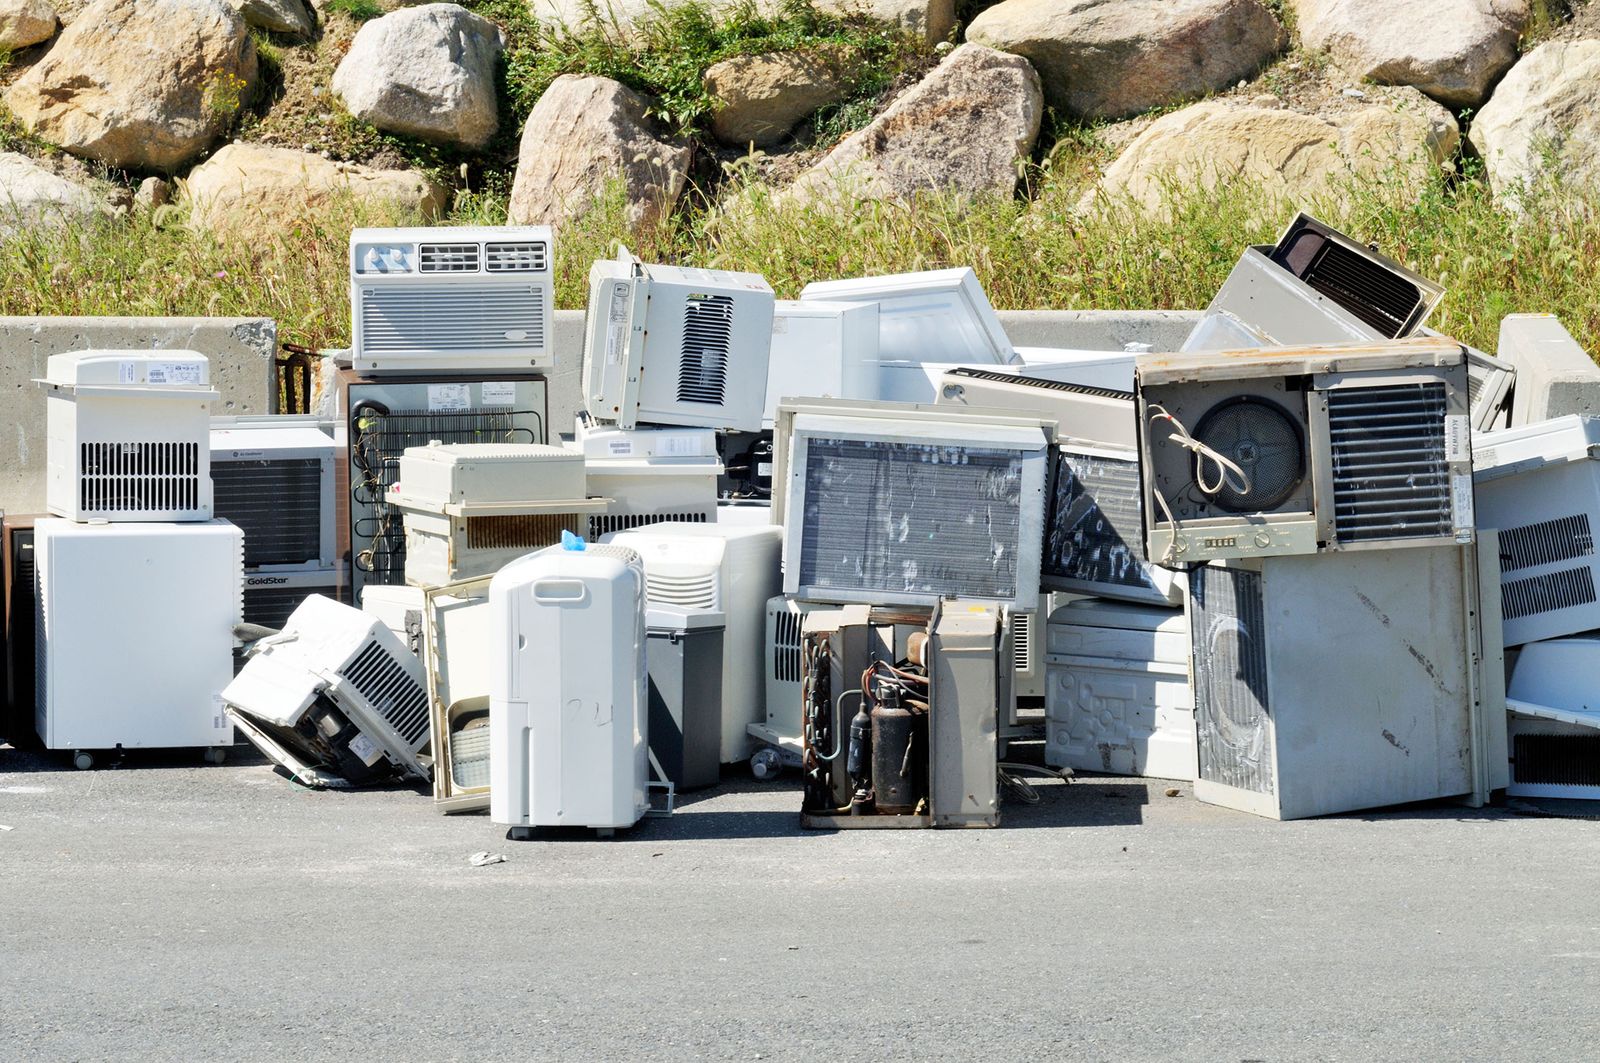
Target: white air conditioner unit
pixel 398 608
pixel 822 350
pixel 1539 486
pixel 274 478
pixel 1268 452
pixel 934 316
pixel 1119 699
pixel 472 507
pixel 134 634
pixel 569 746
pixel 648 475
pixel 664 345
pixel 1554 725
pixel 452 299
pixel 726 569
pixel 1328 683
pixel 380 419
pixel 457 634
pixel 1316 286
pixel 904 505
pixel 127 435
pixel 338 685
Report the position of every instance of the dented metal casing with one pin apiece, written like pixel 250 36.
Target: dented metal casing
pixel 1379 433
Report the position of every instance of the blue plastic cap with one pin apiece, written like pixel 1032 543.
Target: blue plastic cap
pixel 572 542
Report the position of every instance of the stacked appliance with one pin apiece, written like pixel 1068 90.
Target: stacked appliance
pixel 452 335
pixel 1330 490
pixel 132 572
pixel 648 475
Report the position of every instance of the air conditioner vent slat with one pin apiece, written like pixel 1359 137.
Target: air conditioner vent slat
pixel 1556 759
pixel 1233 713
pixel 420 319
pixel 605 524
pixel 1547 593
pixel 693 591
pixel 277 503
pixel 1400 429
pixel 786 646
pixel 1094 534
pixel 1546 542
pixel 1022 642
pixel 529 257
pixel 707 348
pixel 391 691
pixel 447 258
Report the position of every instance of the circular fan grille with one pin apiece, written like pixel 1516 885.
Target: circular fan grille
pixel 1263 439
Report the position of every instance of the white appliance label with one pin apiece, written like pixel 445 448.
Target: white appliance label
pixel 617 323
pixel 1461 501
pixel 174 372
pixel 499 393
pixel 126 373
pixel 365 748
pixel 620 448
pixel 764 469
pixel 780 325
pixel 1457 438
pixel 678 446
pixel 445 398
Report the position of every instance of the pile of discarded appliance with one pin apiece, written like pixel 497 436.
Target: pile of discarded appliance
pixel 855 539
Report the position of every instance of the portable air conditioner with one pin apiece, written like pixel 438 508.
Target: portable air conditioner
pixel 1539 486
pixel 134 634
pixel 457 634
pixel 127 435
pixel 726 569
pixel 1554 722
pixel 934 316
pixel 569 746
pixel 664 345
pixel 904 505
pixel 780 730
pixel 1329 683
pixel 452 299
pixel 822 350
pixel 1118 698
pixel 380 419
pixel 648 475
pixel 274 478
pixel 1266 452
pixel 336 682
pixel 470 508
pixel 1316 286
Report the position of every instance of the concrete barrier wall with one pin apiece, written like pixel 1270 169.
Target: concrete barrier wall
pixel 241 352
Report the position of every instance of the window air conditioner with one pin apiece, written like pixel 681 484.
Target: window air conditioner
pixel 452 299
pixel 822 350
pixel 1554 723
pixel 1295 451
pixel 128 435
pixel 274 478
pixel 1539 486
pixel 337 685
pixel 664 345
pixel 648 475
pixel 894 504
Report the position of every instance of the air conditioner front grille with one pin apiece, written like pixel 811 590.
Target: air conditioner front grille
pixel 1556 760
pixel 1022 642
pixel 1232 703
pixel 271 606
pixel 1546 542
pixel 447 258
pixel 527 531
pixel 1391 473
pixel 278 504
pixel 605 524
pixel 532 257
pixel 707 346
pixel 699 592
pixel 786 646
pixel 911 518
pixel 391 691
pixel 1547 593
pixel 416 319
pixel 1095 533
pixel 147 477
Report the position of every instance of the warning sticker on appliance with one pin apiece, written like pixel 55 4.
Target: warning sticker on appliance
pixel 174 372
pixel 620 448
pixel 126 373
pixel 673 446
pixel 616 323
pixel 1461 502
pixel 1457 438
pixel 499 393
pixel 365 748
pixel 445 398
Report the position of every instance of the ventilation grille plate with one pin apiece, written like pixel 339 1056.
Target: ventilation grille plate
pixel 392 692
pixel 1391 474
pixel 1546 542
pixel 605 524
pixel 1556 760
pixel 786 646
pixel 697 592
pixel 1095 534
pixel 527 531
pixel 138 477
pixel 1548 593
pixel 447 258
pixel 707 346
pixel 531 257
pixel 278 505
pixel 416 319
pixel 1232 704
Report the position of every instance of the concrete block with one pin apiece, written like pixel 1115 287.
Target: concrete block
pixel 241 352
pixel 1555 376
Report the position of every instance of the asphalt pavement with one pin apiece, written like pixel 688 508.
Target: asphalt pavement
pixel 163 909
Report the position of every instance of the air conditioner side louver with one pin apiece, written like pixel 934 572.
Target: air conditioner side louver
pixel 1391 473
pixel 707 346
pixel 447 258
pixel 391 691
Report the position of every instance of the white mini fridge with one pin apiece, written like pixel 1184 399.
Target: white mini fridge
pixel 135 634
pixel 568 700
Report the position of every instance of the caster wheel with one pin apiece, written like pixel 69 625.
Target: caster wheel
pixel 216 755
pixel 766 764
pixel 605 833
pixel 521 834
pixel 82 761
